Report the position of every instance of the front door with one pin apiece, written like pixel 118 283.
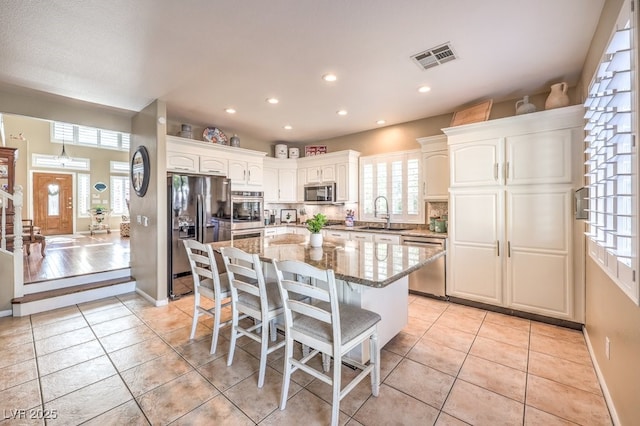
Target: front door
pixel 53 203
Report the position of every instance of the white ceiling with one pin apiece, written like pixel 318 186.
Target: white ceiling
pixel 202 56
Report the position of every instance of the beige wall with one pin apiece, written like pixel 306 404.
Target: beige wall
pixel 148 244
pixel 6 281
pixel 38 141
pixel 610 313
pixel 403 136
pixel 57 108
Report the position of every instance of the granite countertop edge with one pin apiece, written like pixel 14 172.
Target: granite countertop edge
pixel 391 279
pixel 416 232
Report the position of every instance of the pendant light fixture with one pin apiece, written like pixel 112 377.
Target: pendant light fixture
pixel 63 158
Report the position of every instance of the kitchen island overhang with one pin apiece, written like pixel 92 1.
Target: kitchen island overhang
pixel 369 275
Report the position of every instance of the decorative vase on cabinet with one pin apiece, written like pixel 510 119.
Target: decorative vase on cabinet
pixel 524 107
pixel 558 97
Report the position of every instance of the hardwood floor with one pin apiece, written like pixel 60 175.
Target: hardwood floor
pixel 78 254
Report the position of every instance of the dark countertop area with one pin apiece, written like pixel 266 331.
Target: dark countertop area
pixel 361 262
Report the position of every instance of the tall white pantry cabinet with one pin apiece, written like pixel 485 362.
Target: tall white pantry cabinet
pixel 513 239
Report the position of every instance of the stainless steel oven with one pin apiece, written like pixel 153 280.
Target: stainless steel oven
pixel 247 209
pixel 239 234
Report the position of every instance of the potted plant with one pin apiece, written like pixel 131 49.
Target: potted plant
pixel 315 225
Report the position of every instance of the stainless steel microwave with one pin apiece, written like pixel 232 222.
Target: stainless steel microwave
pixel 320 193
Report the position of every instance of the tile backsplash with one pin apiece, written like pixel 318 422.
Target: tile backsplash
pixel 436 209
pixel 337 213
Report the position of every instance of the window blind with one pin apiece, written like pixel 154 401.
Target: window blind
pixel 396 177
pixel 611 160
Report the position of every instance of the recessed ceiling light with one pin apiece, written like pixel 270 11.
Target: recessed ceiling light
pixel 329 77
pixel 288 127
pixel 272 101
pixel 380 122
pixel 424 89
pixel 230 110
pixel 341 112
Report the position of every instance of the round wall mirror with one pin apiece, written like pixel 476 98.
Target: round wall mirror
pixel 140 171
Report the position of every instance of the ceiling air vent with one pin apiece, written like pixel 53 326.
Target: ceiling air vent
pixel 435 56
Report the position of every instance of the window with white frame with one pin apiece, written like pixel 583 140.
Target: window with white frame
pixel 53 162
pixel 118 167
pixel 119 194
pixel 396 177
pixel 83 188
pixel 74 134
pixel 612 161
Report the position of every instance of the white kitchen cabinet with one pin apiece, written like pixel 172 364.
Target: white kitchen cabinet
pixel 301 181
pixel 539 256
pixel 246 174
pixel 336 234
pixel 270 231
pixel 340 167
pixel 543 157
pixel 347 181
pixel 361 236
pixel 386 238
pixel 213 165
pixel 474 250
pixel 321 173
pixel 300 230
pixel 181 162
pixel 435 168
pixel 279 176
pixel 243 166
pixel 476 163
pixel 511 226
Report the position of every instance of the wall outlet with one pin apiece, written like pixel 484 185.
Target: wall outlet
pixel 607 347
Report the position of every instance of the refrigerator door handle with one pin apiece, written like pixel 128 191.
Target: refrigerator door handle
pixel 199 218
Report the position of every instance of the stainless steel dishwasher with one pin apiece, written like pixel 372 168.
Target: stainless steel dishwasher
pixel 430 279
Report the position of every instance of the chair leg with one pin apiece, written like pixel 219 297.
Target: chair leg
pixel 234 335
pixel 335 404
pixel 326 362
pixel 272 329
pixel 216 326
pixel 194 323
pixel 286 378
pixel 374 355
pixel 264 346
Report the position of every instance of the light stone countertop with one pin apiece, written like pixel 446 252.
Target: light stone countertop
pixel 361 262
pixel 413 232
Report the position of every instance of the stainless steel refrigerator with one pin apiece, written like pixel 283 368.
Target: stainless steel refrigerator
pixel 196 206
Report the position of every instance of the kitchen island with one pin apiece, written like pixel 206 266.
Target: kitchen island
pixel 370 275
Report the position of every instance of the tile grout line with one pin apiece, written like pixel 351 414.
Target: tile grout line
pixel 456 378
pixel 35 356
pixel 194 368
pixel 118 373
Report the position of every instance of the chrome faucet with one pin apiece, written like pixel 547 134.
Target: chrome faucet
pixel 386 215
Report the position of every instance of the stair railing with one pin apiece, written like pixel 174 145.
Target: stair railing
pixel 16 198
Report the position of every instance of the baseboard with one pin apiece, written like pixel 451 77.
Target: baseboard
pixel 7 313
pixel 34 307
pixel 154 302
pixel 513 312
pixel 603 384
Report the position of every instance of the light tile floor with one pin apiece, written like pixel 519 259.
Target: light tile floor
pixel 122 361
